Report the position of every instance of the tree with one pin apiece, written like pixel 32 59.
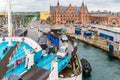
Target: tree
pixel 48 20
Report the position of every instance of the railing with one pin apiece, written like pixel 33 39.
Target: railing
pixel 27 40
pixel 101 42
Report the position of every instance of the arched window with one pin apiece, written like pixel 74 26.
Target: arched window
pixel 114 22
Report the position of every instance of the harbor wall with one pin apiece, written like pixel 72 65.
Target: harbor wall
pixel 116 36
pixel 102 44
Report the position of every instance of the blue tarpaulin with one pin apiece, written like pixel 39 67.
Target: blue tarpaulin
pixel 77 31
pixel 54 40
pixel 87 34
pixel 106 36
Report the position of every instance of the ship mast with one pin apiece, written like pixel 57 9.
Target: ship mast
pixel 9 24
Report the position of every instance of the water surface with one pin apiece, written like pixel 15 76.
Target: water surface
pixel 103 67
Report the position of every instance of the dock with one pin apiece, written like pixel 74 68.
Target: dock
pixel 99 43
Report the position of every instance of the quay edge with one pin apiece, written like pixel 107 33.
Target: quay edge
pixel 91 42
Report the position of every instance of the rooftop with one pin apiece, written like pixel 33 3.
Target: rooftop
pixel 105 14
pixel 64 8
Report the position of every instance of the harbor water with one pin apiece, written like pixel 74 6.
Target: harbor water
pixel 103 67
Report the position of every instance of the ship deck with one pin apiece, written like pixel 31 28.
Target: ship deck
pixel 73 69
pixel 36 73
pixel 5 61
pixel 42 66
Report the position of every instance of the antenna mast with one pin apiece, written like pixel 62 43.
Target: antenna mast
pixel 9 24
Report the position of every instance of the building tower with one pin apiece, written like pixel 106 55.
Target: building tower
pixel 58 3
pixel 84 15
pixel 57 13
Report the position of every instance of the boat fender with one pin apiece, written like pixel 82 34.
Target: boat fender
pixel 20 79
pixel 111 49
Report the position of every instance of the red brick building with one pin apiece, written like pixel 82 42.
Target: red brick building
pixel 105 18
pixel 73 15
pixel 69 14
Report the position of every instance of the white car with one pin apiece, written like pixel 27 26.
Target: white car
pixel 62 52
pixel 64 38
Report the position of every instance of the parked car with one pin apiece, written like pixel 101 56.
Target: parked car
pixel 62 52
pixel 64 38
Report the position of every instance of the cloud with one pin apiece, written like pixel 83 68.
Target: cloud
pixel 43 5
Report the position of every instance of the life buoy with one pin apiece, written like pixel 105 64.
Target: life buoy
pixel 18 62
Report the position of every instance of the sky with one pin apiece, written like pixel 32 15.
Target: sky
pixel 44 5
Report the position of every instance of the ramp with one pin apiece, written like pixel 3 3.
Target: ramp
pixel 36 73
pixel 4 62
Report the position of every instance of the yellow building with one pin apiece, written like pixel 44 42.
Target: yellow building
pixel 44 15
pixel 3 18
pixel 4 13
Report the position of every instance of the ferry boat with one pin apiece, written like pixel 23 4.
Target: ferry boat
pixel 22 58
pixel 47 59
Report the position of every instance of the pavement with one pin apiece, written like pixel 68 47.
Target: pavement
pixel 110 28
pixel 33 33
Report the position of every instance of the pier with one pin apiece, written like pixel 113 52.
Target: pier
pixel 99 43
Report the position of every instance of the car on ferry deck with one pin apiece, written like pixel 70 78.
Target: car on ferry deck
pixel 62 52
pixel 64 38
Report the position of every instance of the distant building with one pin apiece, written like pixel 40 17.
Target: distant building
pixel 19 17
pixel 24 17
pixel 73 14
pixel 105 18
pixel 69 14
pixel 44 15
pixel 3 18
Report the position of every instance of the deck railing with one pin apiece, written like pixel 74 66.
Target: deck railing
pixel 27 40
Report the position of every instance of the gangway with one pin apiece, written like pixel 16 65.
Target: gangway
pixel 4 62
